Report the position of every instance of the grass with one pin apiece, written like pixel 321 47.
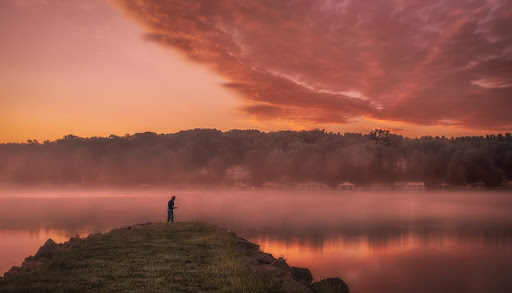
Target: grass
pixel 161 257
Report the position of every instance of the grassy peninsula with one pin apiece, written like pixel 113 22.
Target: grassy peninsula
pixel 158 257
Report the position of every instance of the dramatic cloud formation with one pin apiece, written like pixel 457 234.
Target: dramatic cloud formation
pixel 327 61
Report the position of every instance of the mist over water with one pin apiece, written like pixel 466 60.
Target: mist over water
pixel 387 241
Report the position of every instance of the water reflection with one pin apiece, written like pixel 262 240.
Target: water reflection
pixel 377 242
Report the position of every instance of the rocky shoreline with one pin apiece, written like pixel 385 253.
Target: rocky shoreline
pixel 300 279
pixel 264 265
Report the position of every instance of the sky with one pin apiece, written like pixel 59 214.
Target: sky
pixel 96 67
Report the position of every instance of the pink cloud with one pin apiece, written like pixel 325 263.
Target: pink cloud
pixel 420 62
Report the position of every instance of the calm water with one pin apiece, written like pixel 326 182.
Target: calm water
pixel 375 241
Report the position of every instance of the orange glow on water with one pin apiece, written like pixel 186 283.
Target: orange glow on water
pixel 398 241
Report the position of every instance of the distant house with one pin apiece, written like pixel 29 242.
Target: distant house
pixel 237 174
pixel 312 186
pixel 410 185
pixel 241 186
pixel 415 185
pixel 477 185
pixel 273 186
pixel 346 186
pixel 444 186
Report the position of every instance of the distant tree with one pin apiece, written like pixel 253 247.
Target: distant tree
pixel 379 135
pixel 201 156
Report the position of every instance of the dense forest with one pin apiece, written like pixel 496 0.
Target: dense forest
pixel 201 157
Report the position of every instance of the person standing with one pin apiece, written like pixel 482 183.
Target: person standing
pixel 170 209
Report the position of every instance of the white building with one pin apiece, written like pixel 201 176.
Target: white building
pixel 346 186
pixel 415 185
pixel 444 186
pixel 410 185
pixel 237 174
pixel 477 185
pixel 273 186
pixel 312 186
pixel 241 186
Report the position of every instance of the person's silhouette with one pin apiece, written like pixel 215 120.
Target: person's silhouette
pixel 170 209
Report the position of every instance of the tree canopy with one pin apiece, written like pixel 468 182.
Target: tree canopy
pixel 201 156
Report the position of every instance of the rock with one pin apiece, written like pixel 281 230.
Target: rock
pixel 29 264
pixel 330 285
pixel 244 244
pixel 302 275
pixel 12 272
pixel 290 285
pixel 49 250
pixel 125 228
pixel 265 258
pixel 268 272
pixel 71 242
pixel 281 263
pixel 271 269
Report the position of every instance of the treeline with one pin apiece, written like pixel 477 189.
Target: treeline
pixel 201 156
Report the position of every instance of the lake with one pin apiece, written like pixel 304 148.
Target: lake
pixel 377 241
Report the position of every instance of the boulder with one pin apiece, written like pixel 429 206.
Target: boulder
pixel 71 242
pixel 244 244
pixel 291 279
pixel 48 250
pixel 330 285
pixel 30 264
pixel 264 258
pixel 302 275
pixel 290 285
pixel 268 272
pixel 12 272
pixel 281 263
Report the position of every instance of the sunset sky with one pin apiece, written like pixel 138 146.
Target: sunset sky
pixel 95 68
